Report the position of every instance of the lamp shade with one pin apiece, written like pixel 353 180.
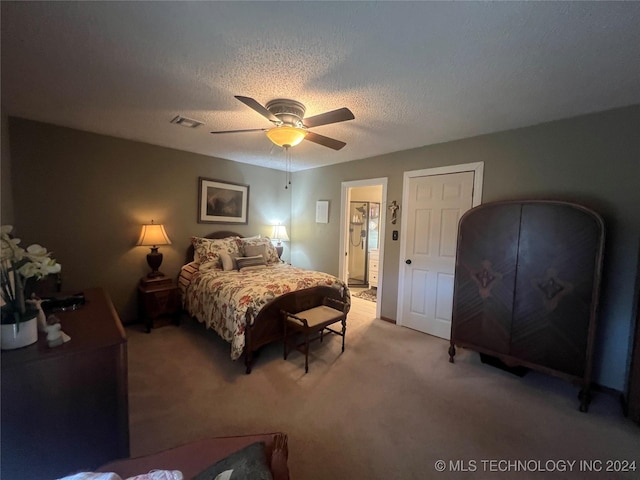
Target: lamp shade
pixel 280 233
pixel 286 136
pixel 153 235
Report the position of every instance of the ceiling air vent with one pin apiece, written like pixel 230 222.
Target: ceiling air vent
pixel 186 122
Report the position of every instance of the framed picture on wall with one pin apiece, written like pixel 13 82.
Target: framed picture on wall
pixel 222 202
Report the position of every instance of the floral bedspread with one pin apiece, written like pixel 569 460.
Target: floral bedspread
pixel 221 299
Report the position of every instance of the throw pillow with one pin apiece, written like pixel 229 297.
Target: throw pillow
pixel 206 251
pixel 253 250
pixel 152 475
pixel 250 263
pixel 248 463
pixel 270 255
pixel 228 262
pixel 92 476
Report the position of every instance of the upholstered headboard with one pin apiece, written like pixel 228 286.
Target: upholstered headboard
pixel 214 235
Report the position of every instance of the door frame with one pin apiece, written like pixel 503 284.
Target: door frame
pixel 478 174
pixel 345 198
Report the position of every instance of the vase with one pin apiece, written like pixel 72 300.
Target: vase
pixel 14 335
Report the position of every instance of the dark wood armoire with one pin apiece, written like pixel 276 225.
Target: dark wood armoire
pixel 527 284
pixel 632 398
pixel 633 394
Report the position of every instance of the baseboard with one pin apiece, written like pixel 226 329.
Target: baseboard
pixel 390 320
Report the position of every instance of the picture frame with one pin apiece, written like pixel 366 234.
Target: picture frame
pixel 222 202
pixel 322 211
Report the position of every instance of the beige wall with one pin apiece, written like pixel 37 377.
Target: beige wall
pixel 593 160
pixel 85 197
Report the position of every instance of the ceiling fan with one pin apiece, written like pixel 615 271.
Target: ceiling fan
pixel 290 125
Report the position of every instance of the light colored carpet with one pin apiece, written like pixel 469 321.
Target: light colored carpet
pixel 389 407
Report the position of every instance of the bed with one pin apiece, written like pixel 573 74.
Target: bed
pixel 237 287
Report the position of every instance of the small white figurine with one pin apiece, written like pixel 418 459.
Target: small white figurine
pixel 54 334
pixel 36 303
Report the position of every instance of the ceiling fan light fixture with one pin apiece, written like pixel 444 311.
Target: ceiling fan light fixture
pixel 286 136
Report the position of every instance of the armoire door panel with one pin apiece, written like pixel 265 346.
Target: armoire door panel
pixel 485 277
pixel 526 286
pixel 554 285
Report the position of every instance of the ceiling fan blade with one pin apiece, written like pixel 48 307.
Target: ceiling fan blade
pixel 324 141
pixel 251 103
pixel 334 116
pixel 241 131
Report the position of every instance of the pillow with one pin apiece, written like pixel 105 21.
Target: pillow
pixel 253 250
pixel 92 476
pixel 248 463
pixel 228 262
pixel 152 475
pixel 207 250
pixel 271 255
pixel 159 475
pixel 250 263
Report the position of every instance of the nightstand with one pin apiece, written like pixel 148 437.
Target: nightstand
pixel 158 297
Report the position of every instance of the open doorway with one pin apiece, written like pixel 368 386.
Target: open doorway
pixel 364 220
pixel 362 238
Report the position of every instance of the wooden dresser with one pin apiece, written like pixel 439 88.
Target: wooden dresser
pixel 65 409
pixel 527 284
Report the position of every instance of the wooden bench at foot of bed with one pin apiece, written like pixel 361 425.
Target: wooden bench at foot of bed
pixel 268 326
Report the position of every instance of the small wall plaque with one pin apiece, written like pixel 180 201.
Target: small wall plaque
pixel 322 211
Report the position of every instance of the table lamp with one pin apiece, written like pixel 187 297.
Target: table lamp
pixel 154 235
pixel 280 234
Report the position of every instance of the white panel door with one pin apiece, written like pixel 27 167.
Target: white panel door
pixel 435 206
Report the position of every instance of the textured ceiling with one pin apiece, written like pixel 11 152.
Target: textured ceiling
pixel 413 73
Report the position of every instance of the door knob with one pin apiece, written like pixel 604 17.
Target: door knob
pixel 408 261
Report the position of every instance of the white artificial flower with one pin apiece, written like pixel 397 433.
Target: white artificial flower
pixel 17 263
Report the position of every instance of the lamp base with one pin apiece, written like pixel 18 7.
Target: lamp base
pixel 154 259
pixel 279 249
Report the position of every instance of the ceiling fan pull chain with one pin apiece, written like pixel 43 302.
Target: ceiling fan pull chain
pixel 287 156
pixel 290 164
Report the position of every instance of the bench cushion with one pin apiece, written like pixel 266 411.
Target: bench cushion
pixel 318 315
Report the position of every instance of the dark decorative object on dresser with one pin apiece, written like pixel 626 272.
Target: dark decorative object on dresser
pixel 66 408
pixel 527 284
